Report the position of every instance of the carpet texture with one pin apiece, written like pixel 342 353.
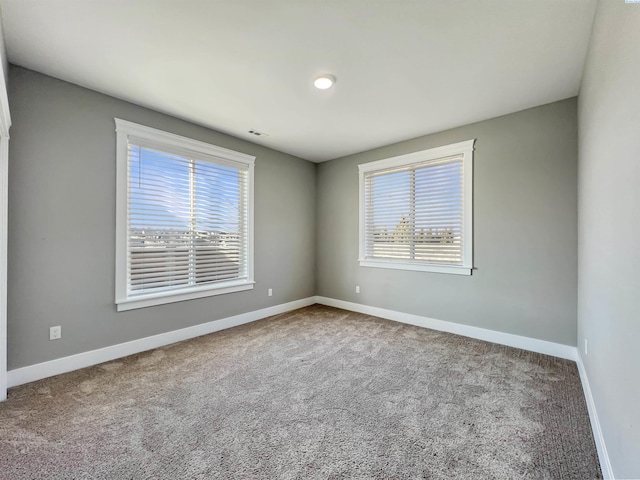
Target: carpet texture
pixel 314 393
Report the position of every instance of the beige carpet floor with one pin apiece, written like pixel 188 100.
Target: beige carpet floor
pixel 317 393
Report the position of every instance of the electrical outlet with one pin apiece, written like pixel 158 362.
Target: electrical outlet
pixel 55 333
pixel 585 347
pixel 270 292
pixel 357 288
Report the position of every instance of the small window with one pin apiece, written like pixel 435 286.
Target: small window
pixel 416 211
pixel 184 218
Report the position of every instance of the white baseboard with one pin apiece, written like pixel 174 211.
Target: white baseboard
pixel 517 341
pixel 603 455
pixel 32 373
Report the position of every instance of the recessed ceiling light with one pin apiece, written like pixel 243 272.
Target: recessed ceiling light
pixel 324 81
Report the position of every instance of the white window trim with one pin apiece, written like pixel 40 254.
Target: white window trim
pixel 461 148
pixel 5 125
pixel 124 130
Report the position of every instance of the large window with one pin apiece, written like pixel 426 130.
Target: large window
pixel 184 218
pixel 416 211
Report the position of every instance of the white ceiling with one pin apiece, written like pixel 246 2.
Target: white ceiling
pixel 404 68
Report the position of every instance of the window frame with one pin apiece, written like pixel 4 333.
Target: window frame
pixel 464 149
pixel 196 150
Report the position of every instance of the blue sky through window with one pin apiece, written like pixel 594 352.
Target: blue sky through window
pixel 160 193
pixel 392 197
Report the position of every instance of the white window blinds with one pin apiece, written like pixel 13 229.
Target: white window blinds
pixel 187 221
pixel 184 218
pixel 415 211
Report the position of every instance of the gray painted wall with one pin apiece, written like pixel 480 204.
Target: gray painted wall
pixel 609 228
pixel 62 220
pixel 525 202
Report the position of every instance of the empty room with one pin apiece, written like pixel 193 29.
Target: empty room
pixel 278 239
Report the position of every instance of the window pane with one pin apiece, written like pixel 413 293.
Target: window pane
pixel 187 222
pixel 415 212
pixel 390 201
pixel 218 223
pixel 438 215
pixel 159 237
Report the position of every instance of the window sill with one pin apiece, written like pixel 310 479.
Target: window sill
pixel 395 265
pixel 161 298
